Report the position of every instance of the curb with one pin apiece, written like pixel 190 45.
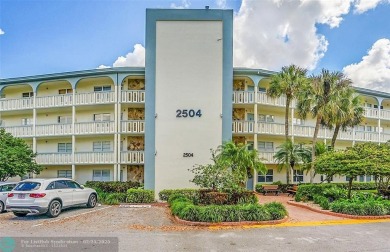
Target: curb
pixel 327 212
pixel 227 224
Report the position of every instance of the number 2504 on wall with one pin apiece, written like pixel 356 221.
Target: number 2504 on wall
pixel 188 113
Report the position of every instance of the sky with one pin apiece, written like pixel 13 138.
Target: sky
pixel 53 36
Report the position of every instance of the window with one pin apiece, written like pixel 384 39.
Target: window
pixel 7 188
pixel 266 118
pixel 298 176
pixel 27 94
pixel 64 147
pixel 2 96
pixel 325 178
pixel 64 174
pixel 60 184
pixel 269 177
pixel 262 90
pixel 102 146
pixel 65 91
pixel 101 175
pixel 265 146
pixel 72 184
pixel 101 117
pixel 26 121
pixel 347 178
pixel 102 88
pixel 297 121
pixel 368 128
pixel 27 186
pixel 64 119
pixel 250 145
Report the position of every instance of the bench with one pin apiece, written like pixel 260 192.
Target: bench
pixel 292 191
pixel 271 188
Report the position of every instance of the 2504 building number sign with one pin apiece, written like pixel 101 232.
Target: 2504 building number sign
pixel 188 113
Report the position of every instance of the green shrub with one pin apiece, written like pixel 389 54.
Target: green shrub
pixel 355 207
pixel 322 201
pixel 192 194
pixel 276 209
pixel 334 193
pixel 112 186
pixel 114 198
pixel 140 196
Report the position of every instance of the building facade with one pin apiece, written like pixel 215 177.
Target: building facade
pixel 152 124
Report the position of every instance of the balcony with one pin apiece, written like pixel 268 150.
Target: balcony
pixel 53 101
pixel 271 128
pixel 94 98
pixel 94 128
pixel 20 131
pixel 267 157
pixel 133 126
pixel 243 126
pixel 94 158
pixel 53 129
pixel 133 96
pixel 54 158
pixel 243 97
pixel 16 104
pixel 132 157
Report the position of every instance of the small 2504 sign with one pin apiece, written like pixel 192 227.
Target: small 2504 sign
pixel 188 113
pixel 188 154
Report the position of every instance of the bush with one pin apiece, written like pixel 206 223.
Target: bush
pixel 112 186
pixel 114 198
pixel 322 201
pixel 185 209
pixel 214 198
pixel 192 194
pixel 369 207
pixel 140 196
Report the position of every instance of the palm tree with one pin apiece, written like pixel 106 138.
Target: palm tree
pixel 350 114
pixel 288 82
pixel 322 100
pixel 289 155
pixel 241 160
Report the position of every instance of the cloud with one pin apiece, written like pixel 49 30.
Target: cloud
pixel 1 32
pixel 365 5
pixel 134 58
pixel 185 4
pixel 103 67
pixel 221 4
pixel 273 33
pixel 373 71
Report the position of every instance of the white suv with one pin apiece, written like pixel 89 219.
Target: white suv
pixel 48 196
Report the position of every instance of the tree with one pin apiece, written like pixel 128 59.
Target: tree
pixel 288 82
pixel 361 159
pixel 240 160
pixel 16 158
pixel 290 155
pixel 322 101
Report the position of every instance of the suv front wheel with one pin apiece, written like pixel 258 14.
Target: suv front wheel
pixel 54 209
pixel 92 201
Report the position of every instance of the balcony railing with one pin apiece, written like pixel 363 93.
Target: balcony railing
pixel 263 98
pixel 94 98
pixel 270 128
pixel 16 104
pixel 95 127
pixel 94 158
pixel 133 126
pixel 20 131
pixel 132 157
pixel 53 101
pixel 54 158
pixel 133 96
pixel 267 157
pixel 243 97
pixel 53 129
pixel 243 126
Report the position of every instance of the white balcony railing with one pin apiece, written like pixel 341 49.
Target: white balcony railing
pixel 53 129
pixel 270 128
pixel 53 101
pixel 132 157
pixel 263 98
pixel 94 127
pixel 133 126
pixel 243 126
pixel 54 158
pixel 371 112
pixel 385 137
pixel 267 157
pixel 94 98
pixel 20 131
pixel 16 104
pixel 94 157
pixel 136 96
pixel 366 136
pixel 243 97
pixel 385 114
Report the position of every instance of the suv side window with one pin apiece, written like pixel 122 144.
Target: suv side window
pixel 73 184
pixel 51 186
pixel 61 184
pixel 7 188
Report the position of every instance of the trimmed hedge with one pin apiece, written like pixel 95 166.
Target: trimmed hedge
pixel 185 209
pixel 140 196
pixel 112 186
pixel 192 194
pixel 370 207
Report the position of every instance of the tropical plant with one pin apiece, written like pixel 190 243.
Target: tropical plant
pixel 288 82
pixel 289 156
pixel 321 100
pixel 16 157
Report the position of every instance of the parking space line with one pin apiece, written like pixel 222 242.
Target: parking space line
pixel 68 217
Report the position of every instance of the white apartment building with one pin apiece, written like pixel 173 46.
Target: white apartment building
pixel 152 124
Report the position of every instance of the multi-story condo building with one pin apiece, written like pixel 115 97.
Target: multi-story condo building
pixel 151 124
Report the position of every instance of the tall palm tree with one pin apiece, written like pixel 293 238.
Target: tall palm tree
pixel 288 82
pixel 322 101
pixel 241 160
pixel 290 155
pixel 350 114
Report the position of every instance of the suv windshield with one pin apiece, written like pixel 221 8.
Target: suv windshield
pixel 27 186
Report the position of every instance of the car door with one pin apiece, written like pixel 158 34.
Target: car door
pixel 4 190
pixel 80 196
pixel 64 192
